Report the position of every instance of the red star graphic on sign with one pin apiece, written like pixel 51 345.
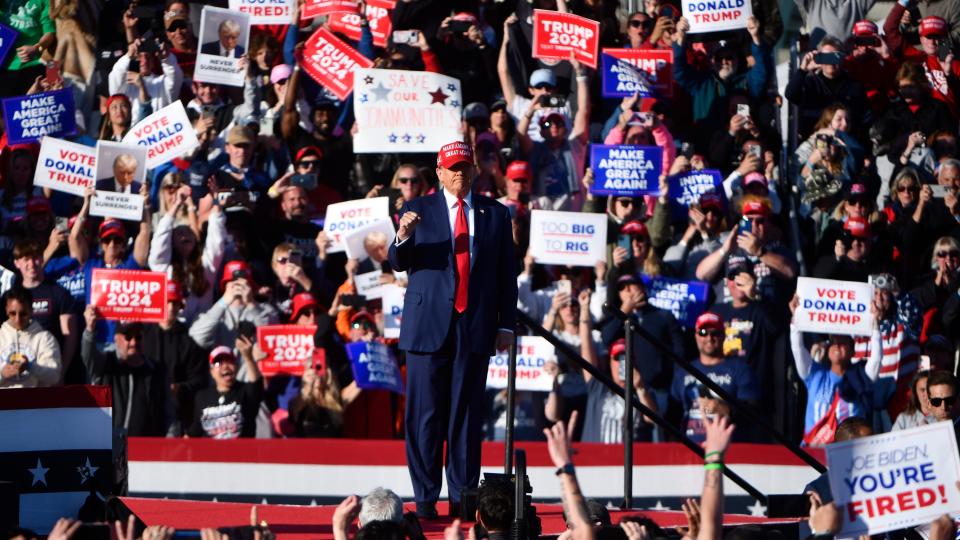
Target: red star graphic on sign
pixel 438 97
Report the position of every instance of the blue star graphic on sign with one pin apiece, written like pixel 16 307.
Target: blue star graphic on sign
pixel 454 103
pixel 380 92
pixel 39 473
pixel 421 138
pixel 452 87
pixel 407 138
pixel 363 98
pixel 392 137
pixel 368 79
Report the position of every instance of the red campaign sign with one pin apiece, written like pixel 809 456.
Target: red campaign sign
pixel 315 8
pixel 129 295
pixel 378 17
pixel 657 63
pixel 331 62
pixel 289 349
pixel 556 34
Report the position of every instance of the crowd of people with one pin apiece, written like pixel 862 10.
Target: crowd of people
pixel 871 193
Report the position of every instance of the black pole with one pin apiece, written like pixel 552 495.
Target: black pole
pixel 627 375
pixel 519 529
pixel 511 401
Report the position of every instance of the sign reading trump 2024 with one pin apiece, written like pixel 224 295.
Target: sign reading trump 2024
pixel 166 134
pixel 685 299
pixel 829 306
pixel 569 238
pixel 533 353
pixel 624 170
pixel 65 166
pixel 556 35
pixel 129 295
pixel 374 367
pixel 30 118
pixel 716 15
pixel 895 480
pixel 289 348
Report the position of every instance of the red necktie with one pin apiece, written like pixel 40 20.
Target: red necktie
pixel 461 251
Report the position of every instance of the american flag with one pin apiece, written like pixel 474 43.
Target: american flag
pixel 56 448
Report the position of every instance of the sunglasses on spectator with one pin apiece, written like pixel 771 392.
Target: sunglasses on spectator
pixel 308 163
pixel 171 188
pixel 625 202
pixel 283 259
pixel 224 360
pixel 946 400
pixel 704 332
pixel 912 187
pixel 113 239
pixel 130 336
pixel 177 25
pixel 544 86
pixel 282 81
pixel 756 220
pixel 636 23
pixel 408 180
pixel 945 254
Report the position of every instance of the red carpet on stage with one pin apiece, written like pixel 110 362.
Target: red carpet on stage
pixel 302 522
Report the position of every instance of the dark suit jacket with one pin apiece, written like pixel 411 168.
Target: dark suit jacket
pixel 214 48
pixel 428 258
pixel 110 184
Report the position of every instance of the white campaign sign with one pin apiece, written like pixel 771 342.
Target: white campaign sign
pixel 829 306
pixel 405 111
pixel 125 206
pixel 166 134
pixel 348 216
pixel 65 166
pixel 353 240
pixel 108 154
pixel 533 352
pixel 569 238
pixel 266 11
pixel 212 66
pixel 369 284
pixel 895 480
pixel 392 310
pixel 717 15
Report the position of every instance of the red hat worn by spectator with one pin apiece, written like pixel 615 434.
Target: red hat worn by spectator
pixel 634 228
pixel 174 291
pixel 221 352
pixel 112 227
pixel 519 170
pixel 865 28
pixel 362 314
pixel 117 97
pixel 308 151
pixel 235 270
pixel 933 27
pixel 711 199
pixel 452 153
pixel 553 118
pixel 618 347
pixel 709 320
pixel 301 302
pixel 858 227
pixel 465 16
pixel 755 208
pixel 39 205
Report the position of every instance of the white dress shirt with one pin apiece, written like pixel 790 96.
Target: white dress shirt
pixel 452 211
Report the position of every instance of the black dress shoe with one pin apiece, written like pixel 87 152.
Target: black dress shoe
pixel 454 509
pixel 427 510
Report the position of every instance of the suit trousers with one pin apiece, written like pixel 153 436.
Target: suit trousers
pixel 445 392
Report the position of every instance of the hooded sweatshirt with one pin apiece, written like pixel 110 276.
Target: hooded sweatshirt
pixel 35 346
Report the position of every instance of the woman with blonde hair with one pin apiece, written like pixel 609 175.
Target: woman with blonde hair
pixel 318 410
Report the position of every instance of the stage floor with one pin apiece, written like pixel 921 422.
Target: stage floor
pixel 313 522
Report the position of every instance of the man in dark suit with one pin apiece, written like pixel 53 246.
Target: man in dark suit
pixel 460 306
pixel 124 172
pixel 228 44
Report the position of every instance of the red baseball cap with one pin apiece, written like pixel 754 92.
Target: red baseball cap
pixel 634 228
pixel 519 170
pixel 112 227
pixel 710 199
pixel 174 291
pixel 618 347
pixel 755 207
pixel 933 26
pixel 308 151
pixel 301 302
pixel 709 320
pixel 858 227
pixel 39 205
pixel 452 153
pixel 553 118
pixel 220 352
pixel 753 178
pixel 865 28
pixel 362 314
pixel 235 270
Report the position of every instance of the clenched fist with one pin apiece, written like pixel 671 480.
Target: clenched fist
pixel 408 223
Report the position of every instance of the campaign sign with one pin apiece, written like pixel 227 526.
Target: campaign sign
pixel 356 242
pixel 224 37
pixel 30 118
pixel 569 238
pixel 8 36
pixel 625 170
pixel 348 216
pixel 628 71
pixel 829 306
pixel 369 285
pixel 392 310
pixel 556 35
pixel 374 367
pixel 533 352
pixel 686 188
pixel 166 134
pixel 315 8
pixel 266 11
pixel 332 63
pixel 377 13
pixel 405 111
pixel 65 166
pixel 687 300
pixel 895 480
pixel 110 204
pixel 716 15
pixel 289 348
pixel 129 295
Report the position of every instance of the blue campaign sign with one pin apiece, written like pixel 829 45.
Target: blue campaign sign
pixel 8 36
pixel 686 189
pixel 621 79
pixel 687 300
pixel 29 118
pixel 624 170
pixel 374 367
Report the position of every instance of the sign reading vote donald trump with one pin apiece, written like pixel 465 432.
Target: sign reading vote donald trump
pixel 830 306
pixel 533 353
pixel 405 111
pixel 166 134
pixel 569 238
pixel 716 15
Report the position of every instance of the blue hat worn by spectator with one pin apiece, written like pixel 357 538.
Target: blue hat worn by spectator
pixel 543 76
